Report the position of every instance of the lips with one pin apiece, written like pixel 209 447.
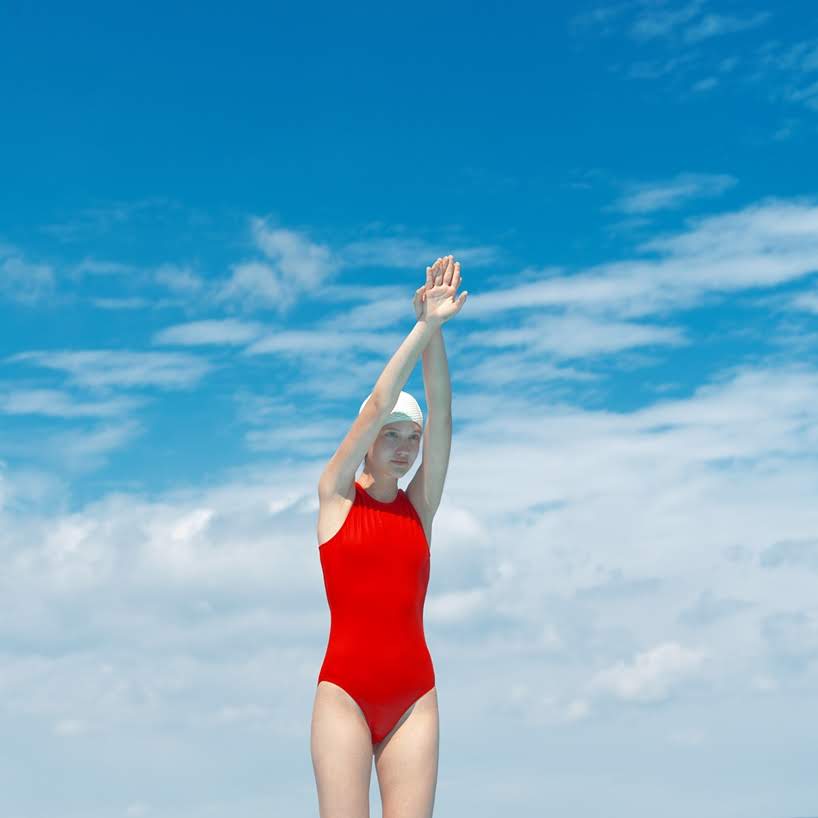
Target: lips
pixel 402 462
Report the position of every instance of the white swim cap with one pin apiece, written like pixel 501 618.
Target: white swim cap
pixel 406 408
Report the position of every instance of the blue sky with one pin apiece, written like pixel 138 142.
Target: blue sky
pixel 212 222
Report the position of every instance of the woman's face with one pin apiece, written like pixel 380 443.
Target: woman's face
pixel 398 441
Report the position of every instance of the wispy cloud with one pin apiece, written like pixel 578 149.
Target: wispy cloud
pixel 408 253
pixel 689 22
pixel 768 243
pixel 74 450
pixel 649 20
pixel 93 222
pixel 663 22
pixel 647 197
pixel 706 84
pixel 129 303
pixel 22 280
pixel 87 450
pixel 651 676
pixel 294 264
pixel 181 280
pixel 226 331
pixel 99 368
pixel 519 574
pixel 561 318
pixel 684 30
pixel 794 69
pixel 601 17
pixel 800 57
pixel 257 284
pixel 653 69
pixel 57 403
pixel 92 266
pixel 714 25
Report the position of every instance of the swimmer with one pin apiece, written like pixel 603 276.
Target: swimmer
pixel 375 693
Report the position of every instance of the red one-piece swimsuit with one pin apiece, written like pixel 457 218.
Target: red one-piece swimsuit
pixel 376 571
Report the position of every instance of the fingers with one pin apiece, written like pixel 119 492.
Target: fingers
pixel 445 271
pixel 441 271
pixel 448 268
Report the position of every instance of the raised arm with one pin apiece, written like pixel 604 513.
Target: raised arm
pixel 439 305
pixel 340 471
pixel 426 488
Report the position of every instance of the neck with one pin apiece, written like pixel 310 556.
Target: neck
pixel 382 487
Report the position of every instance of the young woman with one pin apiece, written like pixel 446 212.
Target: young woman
pixel 376 689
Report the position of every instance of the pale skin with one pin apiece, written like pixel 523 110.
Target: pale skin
pixel 406 761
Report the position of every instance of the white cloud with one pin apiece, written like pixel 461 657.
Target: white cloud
pixel 105 268
pixel 800 57
pixel 652 674
pixel 806 94
pixel 99 368
pixel 300 262
pixel 202 608
pixel 688 21
pixel 56 403
pixel 762 245
pixel 88 450
pixel 21 280
pixel 663 22
pixel 706 84
pixel 647 197
pixel 601 16
pixel 131 303
pixel 713 25
pixel 807 301
pixel 179 279
pixel 410 253
pixel 296 267
pixel 653 69
pixel 226 331
pixel 258 285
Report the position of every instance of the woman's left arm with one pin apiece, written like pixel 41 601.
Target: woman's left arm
pixel 426 488
pixel 436 380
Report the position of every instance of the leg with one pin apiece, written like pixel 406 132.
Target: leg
pixel 406 761
pixel 341 747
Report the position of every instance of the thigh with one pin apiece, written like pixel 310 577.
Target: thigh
pixel 341 747
pixel 406 761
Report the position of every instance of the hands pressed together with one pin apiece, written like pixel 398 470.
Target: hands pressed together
pixel 437 301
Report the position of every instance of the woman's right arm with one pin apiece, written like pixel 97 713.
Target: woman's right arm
pixel 339 472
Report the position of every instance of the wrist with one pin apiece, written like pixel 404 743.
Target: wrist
pixel 433 323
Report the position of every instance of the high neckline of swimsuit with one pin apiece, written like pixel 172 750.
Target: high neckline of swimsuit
pixel 375 500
